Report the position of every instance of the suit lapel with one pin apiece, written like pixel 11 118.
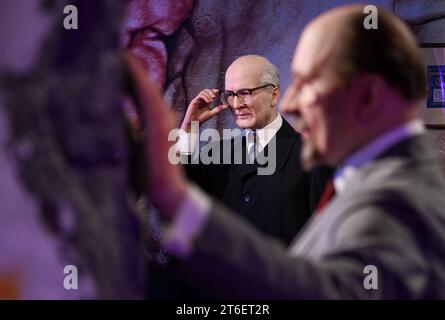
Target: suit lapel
pixel 286 138
pixel 243 169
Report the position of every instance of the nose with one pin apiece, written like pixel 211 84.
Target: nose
pixel 290 103
pixel 236 103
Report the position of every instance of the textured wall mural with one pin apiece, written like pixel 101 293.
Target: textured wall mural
pixel 189 44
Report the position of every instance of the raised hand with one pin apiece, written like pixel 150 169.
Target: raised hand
pixel 199 108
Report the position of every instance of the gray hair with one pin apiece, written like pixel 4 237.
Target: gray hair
pixel 270 74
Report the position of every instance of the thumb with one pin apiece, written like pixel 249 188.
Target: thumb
pixel 211 113
pixel 218 109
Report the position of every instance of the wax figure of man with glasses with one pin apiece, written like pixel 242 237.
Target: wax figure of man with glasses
pixel 277 203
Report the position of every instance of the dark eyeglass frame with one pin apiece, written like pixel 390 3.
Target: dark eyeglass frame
pixel 248 91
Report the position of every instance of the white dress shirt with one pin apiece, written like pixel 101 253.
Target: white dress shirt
pixel 188 141
pixel 259 138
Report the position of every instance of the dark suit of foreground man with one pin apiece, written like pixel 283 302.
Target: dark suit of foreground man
pixel 357 95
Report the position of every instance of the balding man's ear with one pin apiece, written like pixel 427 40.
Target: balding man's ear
pixel 275 96
pixel 370 90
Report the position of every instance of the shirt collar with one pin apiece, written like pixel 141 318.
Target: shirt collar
pixel 373 149
pixel 264 135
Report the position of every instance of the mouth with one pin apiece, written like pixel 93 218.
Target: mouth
pixel 305 134
pixel 242 115
pixel 302 127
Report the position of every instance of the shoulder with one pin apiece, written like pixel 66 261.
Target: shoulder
pixel 287 130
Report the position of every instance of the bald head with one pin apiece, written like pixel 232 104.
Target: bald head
pixel 259 67
pixel 390 51
pixel 352 84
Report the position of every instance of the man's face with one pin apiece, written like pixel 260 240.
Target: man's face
pixel 320 102
pixel 261 110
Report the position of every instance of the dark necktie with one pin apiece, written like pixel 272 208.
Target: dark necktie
pixel 328 193
pixel 251 146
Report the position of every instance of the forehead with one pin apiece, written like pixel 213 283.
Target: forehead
pixel 242 75
pixel 313 50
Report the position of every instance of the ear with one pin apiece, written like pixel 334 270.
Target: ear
pixel 275 96
pixel 369 89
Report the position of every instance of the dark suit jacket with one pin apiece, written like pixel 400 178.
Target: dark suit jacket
pixel 278 204
pixel 391 215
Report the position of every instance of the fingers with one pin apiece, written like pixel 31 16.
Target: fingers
pixel 218 109
pixel 199 108
pixel 211 113
pixel 208 95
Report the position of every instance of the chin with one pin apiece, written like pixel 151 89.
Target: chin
pixel 245 124
pixel 310 156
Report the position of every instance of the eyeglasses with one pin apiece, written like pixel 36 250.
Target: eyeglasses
pixel 309 90
pixel 303 92
pixel 244 95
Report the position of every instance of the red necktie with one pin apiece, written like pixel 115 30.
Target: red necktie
pixel 328 193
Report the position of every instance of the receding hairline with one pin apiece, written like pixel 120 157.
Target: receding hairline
pixel 268 69
pixel 392 45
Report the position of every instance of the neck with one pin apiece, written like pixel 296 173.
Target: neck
pixel 269 120
pixel 376 135
pixel 393 113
